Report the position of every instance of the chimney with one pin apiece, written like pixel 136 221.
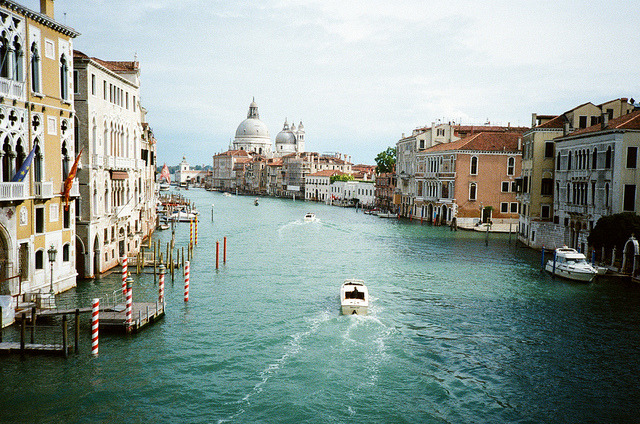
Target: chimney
pixel 534 117
pixel 519 144
pixel 604 120
pixel 565 130
pixel 46 8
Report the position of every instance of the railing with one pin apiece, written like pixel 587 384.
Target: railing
pixel 11 89
pixel 109 161
pixel 97 160
pixel 44 190
pixel 124 163
pixel 13 191
pixel 75 188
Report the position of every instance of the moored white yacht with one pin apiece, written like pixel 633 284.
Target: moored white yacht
pixel 572 265
pixel 354 297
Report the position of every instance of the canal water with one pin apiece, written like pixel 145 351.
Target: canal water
pixel 458 332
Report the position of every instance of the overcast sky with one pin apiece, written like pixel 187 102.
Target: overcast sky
pixel 358 74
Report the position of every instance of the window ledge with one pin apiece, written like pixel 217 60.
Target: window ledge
pixel 36 94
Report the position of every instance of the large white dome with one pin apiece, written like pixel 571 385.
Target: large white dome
pixel 252 128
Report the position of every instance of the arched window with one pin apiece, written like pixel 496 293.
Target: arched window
pixel 66 253
pixel 35 69
pixel 18 71
pixel 40 259
pixel 4 55
pixel 7 154
pixel 473 189
pixel 37 163
pixel 20 155
pixel 569 161
pixel 594 158
pixel 474 165
pixel 511 166
pixel 65 161
pixel 64 79
pixel 558 162
pixel 607 159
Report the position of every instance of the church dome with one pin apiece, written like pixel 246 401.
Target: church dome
pixel 285 137
pixel 252 127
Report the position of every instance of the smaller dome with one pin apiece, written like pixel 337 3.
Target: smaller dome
pixel 285 137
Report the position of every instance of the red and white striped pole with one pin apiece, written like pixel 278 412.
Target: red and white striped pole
pixel 124 275
pixel 129 305
pixel 187 270
pixel 196 230
pixel 191 232
pixel 95 324
pixel 161 285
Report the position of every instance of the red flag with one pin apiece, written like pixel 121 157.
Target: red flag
pixel 69 181
pixel 165 174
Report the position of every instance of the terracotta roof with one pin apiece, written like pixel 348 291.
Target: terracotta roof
pixel 325 173
pixel 115 66
pixel 234 153
pixel 556 122
pixel 487 128
pixel 484 141
pixel 630 121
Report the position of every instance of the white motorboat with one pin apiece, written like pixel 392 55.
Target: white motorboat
pixel 165 186
pixel 182 216
pixel 163 226
pixel 387 215
pixel 354 297
pixel 572 265
pixel 226 194
pixel 309 217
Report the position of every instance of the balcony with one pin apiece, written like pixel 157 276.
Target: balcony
pixel 43 190
pixel 97 161
pixel 14 191
pixel 12 89
pixel 75 188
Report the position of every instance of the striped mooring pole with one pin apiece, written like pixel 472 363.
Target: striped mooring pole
pixel 196 230
pixel 129 307
pixel 187 270
pixel 217 253
pixel 224 251
pixel 191 232
pixel 95 324
pixel 124 275
pixel 161 284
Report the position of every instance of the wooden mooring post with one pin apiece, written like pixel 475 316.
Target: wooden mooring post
pixel 65 335
pixel 33 324
pixel 77 332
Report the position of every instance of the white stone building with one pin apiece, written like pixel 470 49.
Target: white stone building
pixel 317 186
pixel 117 208
pixel 185 174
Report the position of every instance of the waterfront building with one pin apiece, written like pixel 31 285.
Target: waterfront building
pixel 424 138
pixel 38 151
pixel 224 169
pixel 185 174
pixel 118 189
pixel 273 176
pixel 365 193
pixel 536 184
pixel 597 174
pixel 470 180
pixel 385 188
pixel 317 186
pixel 290 139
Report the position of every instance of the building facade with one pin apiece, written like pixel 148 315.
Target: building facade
pixel 117 208
pixel 37 124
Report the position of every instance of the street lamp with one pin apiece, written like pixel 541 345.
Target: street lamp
pixel 52 258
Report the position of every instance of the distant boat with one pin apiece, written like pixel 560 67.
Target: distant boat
pixel 572 265
pixel 165 186
pixel 227 194
pixel 163 227
pixel 309 217
pixel 182 216
pixel 255 202
pixel 387 215
pixel 354 298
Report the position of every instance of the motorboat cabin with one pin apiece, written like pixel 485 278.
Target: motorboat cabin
pixel 354 298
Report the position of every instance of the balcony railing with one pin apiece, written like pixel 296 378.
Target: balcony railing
pixel 12 89
pixel 14 191
pixel 75 188
pixel 44 190
pixel 97 160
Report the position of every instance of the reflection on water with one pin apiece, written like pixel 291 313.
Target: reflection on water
pixel 457 332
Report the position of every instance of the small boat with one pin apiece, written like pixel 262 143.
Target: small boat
pixel 572 265
pixel 163 226
pixel 387 215
pixel 226 194
pixel 165 186
pixel 354 297
pixel 182 216
pixel 309 217
pixel 255 202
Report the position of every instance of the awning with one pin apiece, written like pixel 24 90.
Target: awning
pixel 119 175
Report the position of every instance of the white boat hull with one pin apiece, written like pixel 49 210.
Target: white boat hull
pixel 571 273
pixel 354 298
pixel 354 310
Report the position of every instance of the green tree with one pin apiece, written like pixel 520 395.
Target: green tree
pixel 614 230
pixel 386 161
pixel 343 177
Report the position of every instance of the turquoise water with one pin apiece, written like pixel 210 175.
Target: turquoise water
pixel 458 332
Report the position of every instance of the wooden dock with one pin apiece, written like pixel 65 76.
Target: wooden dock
pixel 143 314
pixel 34 348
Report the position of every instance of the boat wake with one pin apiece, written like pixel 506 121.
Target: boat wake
pixel 291 349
